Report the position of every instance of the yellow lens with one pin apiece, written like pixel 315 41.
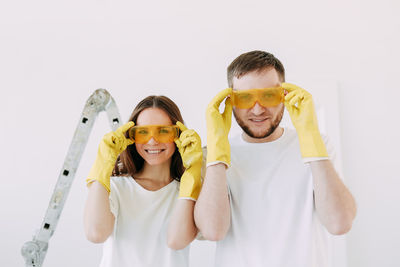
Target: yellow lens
pixel 166 134
pixel 267 97
pixel 244 99
pixel 271 97
pixel 161 133
pixel 140 134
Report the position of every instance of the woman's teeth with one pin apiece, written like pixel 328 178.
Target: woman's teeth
pixel 154 151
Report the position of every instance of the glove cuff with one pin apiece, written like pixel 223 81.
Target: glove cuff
pixel 190 184
pixel 312 145
pixel 101 171
pixel 218 151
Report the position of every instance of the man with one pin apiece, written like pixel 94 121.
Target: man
pixel 271 195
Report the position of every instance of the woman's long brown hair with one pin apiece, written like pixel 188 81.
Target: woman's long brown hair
pixel 130 162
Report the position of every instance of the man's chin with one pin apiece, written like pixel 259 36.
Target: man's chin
pixel 258 134
pixel 259 131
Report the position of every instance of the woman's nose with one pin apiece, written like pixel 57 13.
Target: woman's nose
pixel 152 141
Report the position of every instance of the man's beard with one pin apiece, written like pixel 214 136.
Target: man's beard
pixel 274 124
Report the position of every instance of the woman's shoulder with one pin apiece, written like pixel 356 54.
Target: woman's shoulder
pixel 121 180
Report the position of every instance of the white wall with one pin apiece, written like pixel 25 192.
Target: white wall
pixel 53 55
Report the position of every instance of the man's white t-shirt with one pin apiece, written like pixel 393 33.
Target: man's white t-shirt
pixel 273 218
pixel 140 230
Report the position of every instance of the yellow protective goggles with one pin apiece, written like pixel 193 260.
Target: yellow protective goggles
pixel 161 133
pixel 267 97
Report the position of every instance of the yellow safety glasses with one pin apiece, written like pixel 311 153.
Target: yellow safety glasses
pixel 267 97
pixel 161 133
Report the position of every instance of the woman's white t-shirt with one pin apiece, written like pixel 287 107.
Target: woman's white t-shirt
pixel 140 230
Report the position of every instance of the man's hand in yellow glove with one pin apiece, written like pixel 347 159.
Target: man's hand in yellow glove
pixel 300 106
pixel 110 147
pixel 189 145
pixel 218 127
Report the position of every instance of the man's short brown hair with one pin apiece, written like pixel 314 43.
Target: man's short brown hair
pixel 254 61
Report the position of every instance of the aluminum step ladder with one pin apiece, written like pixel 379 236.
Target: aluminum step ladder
pixel 34 251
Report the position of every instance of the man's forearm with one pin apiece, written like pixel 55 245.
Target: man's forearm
pixel 212 209
pixel 334 203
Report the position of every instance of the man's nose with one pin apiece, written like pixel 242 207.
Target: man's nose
pixel 257 109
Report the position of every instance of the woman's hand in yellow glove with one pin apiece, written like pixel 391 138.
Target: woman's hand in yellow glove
pixel 299 104
pixel 110 147
pixel 114 143
pixel 189 145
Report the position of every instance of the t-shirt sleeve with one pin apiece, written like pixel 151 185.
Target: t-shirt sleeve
pixel 113 197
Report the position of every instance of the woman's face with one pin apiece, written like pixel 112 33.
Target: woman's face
pixel 152 152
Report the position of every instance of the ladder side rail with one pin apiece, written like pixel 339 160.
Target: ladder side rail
pixel 35 251
pixel 114 118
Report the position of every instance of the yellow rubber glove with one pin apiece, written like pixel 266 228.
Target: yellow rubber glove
pixel 189 145
pixel 110 147
pixel 218 127
pixel 300 106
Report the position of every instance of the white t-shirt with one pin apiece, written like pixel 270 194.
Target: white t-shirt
pixel 140 230
pixel 273 218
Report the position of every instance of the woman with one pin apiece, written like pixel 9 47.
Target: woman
pixel 130 211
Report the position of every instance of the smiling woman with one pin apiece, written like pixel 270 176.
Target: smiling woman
pixel 144 211
pixel 153 110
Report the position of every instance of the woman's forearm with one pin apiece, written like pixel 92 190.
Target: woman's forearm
pixel 182 229
pixel 98 219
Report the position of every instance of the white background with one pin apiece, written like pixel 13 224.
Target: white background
pixel 55 54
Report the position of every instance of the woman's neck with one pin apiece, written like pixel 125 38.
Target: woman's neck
pixel 158 173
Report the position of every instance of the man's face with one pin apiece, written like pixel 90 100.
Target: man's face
pixel 258 121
